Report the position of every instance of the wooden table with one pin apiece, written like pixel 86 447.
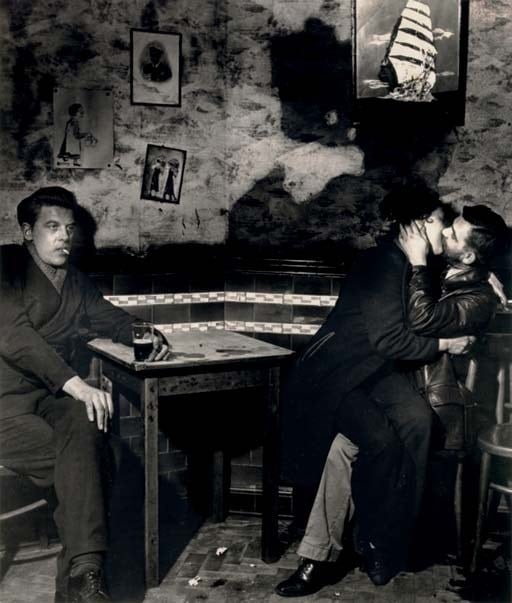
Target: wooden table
pixel 202 361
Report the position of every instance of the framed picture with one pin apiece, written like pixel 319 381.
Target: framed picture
pixel 410 52
pixel 163 174
pixel 83 131
pixel 155 68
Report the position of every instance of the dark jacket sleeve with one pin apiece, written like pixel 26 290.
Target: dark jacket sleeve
pixel 383 283
pixel 104 317
pixel 23 347
pixel 462 312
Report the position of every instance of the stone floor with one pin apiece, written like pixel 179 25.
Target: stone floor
pixel 238 575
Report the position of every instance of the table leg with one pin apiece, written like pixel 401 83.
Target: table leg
pixel 149 404
pixel 271 465
pixel 483 496
pixel 221 481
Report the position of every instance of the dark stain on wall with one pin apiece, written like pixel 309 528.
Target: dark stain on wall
pixel 26 105
pixel 38 157
pixel 120 44
pixel 330 225
pixel 312 71
pixel 401 134
pixel 196 50
pixel 76 48
pixel 19 11
pixel 149 17
pixel 45 87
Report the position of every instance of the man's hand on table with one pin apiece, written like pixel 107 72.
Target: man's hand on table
pixel 98 403
pixel 161 348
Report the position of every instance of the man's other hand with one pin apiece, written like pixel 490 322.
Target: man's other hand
pixel 97 402
pixel 457 345
pixel 161 348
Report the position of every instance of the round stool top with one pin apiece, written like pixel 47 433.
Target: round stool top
pixel 497 440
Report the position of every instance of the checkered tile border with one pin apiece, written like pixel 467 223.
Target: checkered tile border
pixel 240 326
pixel 153 299
pixel 203 297
pixel 185 327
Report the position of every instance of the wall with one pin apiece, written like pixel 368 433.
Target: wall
pixel 265 119
pixel 87 44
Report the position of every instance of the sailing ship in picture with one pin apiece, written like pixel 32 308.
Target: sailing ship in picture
pixel 409 66
pixel 406 50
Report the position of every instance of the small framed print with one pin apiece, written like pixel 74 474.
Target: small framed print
pixel 155 68
pixel 163 174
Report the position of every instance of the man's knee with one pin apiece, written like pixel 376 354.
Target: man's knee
pixel 77 424
pixel 343 452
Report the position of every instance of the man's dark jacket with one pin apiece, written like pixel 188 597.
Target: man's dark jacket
pixel 366 334
pixel 39 327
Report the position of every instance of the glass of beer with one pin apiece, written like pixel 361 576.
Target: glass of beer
pixel 142 337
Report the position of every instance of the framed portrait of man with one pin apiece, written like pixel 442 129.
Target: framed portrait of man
pixel 155 68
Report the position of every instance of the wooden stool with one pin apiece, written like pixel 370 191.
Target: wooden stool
pixel 42 527
pixel 494 442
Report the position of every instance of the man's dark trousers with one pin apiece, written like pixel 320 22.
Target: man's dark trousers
pixel 58 445
pixel 391 424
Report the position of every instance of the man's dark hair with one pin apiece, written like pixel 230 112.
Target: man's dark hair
pixel 29 208
pixel 410 202
pixel 490 236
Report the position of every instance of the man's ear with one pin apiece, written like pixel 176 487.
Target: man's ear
pixel 468 257
pixel 26 229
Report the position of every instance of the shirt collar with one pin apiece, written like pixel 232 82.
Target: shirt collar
pixel 56 276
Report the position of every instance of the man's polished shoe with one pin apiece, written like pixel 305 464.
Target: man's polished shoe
pixel 307 579
pixel 88 588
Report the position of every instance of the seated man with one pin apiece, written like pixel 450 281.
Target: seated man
pixel 53 425
pixel 466 307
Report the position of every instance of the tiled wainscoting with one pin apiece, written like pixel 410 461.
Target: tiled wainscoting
pixel 277 301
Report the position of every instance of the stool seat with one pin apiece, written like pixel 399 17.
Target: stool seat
pixel 497 440
pixel 5 472
pixel 11 549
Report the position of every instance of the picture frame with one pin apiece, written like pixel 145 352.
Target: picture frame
pixel 162 178
pixel 410 57
pixel 83 128
pixel 155 60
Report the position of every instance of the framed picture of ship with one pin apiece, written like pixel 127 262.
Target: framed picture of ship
pixel 411 51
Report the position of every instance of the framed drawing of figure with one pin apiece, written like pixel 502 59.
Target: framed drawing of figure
pixel 163 174
pixel 83 134
pixel 155 68
pixel 411 51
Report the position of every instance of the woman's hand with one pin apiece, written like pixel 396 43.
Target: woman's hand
pixel 414 244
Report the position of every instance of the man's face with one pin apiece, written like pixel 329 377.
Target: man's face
pixel 434 226
pixel 455 239
pixel 52 234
